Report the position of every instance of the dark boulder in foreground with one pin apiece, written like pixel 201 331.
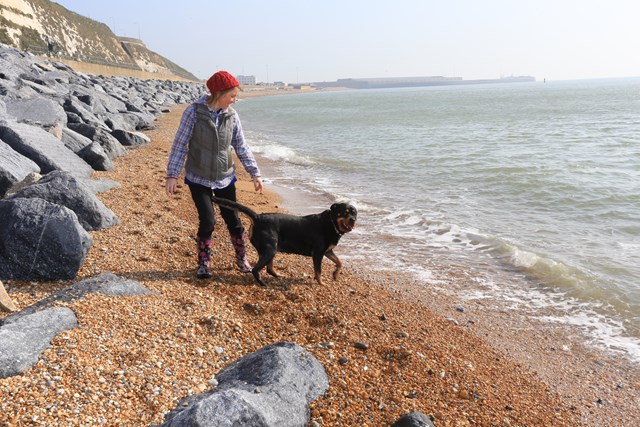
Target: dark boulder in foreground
pixel 40 240
pixel 413 419
pixel 269 388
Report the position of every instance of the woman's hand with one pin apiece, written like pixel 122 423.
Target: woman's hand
pixel 171 185
pixel 257 183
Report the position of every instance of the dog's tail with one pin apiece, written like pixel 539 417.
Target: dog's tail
pixel 226 203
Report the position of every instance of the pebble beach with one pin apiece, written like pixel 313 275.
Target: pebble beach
pixel 388 346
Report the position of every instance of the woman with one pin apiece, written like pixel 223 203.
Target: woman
pixel 208 131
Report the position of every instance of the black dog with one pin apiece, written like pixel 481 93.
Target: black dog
pixel 312 235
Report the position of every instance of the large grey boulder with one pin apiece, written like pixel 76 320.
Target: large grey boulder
pixel 38 111
pixel 38 86
pixel 13 63
pixel 135 105
pixel 92 103
pixel 73 140
pixel 130 139
pixel 64 189
pixel 110 144
pixel 130 121
pixel 14 167
pixel 95 155
pixel 97 99
pixel 90 151
pixel 24 338
pixel 54 75
pixel 47 151
pixel 75 107
pixel 21 91
pixel 40 241
pixel 269 388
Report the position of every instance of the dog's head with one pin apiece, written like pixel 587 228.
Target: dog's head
pixel 344 216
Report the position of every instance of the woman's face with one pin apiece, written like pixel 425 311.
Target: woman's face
pixel 227 98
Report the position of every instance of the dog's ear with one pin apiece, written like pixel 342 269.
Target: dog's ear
pixel 337 209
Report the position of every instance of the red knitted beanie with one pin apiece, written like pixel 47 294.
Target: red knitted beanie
pixel 221 81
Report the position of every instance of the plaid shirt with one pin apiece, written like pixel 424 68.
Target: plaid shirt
pixel 180 148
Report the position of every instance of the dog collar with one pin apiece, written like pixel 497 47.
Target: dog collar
pixel 335 228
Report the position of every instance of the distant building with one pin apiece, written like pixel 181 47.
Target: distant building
pixel 247 80
pixel 131 40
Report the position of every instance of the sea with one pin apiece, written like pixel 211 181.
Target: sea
pixel 530 192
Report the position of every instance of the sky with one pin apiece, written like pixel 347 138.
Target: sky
pixel 302 41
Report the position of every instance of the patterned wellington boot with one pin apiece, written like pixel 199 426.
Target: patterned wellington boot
pixel 240 245
pixel 204 254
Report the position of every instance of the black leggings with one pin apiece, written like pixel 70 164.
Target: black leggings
pixel 201 196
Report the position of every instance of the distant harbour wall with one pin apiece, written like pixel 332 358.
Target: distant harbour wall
pixel 382 83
